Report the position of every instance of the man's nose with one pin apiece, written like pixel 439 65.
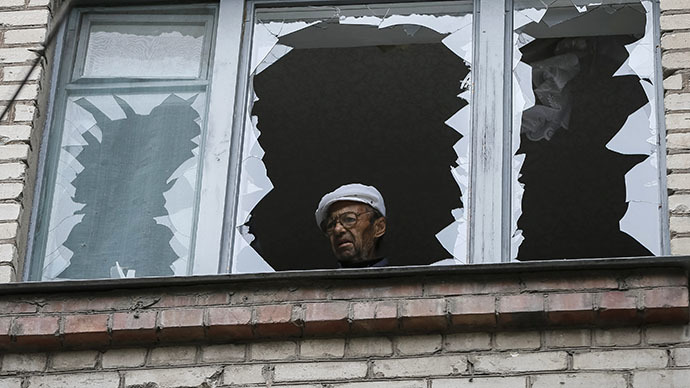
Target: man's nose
pixel 339 228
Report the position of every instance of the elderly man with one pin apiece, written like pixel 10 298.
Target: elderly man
pixel 353 217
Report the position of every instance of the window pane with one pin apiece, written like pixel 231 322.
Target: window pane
pixel 585 134
pixel 125 186
pixel 144 50
pixel 372 94
pixel 121 187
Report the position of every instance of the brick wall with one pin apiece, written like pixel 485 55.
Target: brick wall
pixel 629 357
pixel 675 43
pixel 439 303
pixel 568 329
pixel 622 328
pixel 22 30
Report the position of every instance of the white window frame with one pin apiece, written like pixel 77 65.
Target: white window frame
pixel 489 231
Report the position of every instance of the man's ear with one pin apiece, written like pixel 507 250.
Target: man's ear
pixel 379 227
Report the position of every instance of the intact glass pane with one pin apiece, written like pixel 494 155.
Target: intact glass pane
pixel 585 133
pixel 144 50
pixel 125 187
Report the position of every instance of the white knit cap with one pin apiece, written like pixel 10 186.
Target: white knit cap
pixel 353 192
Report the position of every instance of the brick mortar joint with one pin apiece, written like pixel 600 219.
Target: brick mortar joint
pixel 26 45
pixel 19 81
pixel 675 11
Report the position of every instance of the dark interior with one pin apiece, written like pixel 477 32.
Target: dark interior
pixel 373 115
pixel 574 186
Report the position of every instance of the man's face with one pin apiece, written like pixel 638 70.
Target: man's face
pixel 358 242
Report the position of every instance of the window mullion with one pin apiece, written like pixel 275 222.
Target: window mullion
pixel 487 191
pixel 216 157
pixel 664 211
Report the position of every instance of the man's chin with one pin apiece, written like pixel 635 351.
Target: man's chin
pixel 346 258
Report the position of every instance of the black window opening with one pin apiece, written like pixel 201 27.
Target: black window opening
pixel 357 112
pixel 574 185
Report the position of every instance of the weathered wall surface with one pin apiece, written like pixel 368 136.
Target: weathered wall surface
pixel 628 357
pixel 613 328
pixel 675 43
pixel 22 30
pixel 444 301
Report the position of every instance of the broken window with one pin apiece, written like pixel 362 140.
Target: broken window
pixel 176 149
pixel 585 173
pixel 374 94
pixel 121 183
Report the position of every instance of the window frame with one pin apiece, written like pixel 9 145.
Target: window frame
pixel 63 79
pixel 95 18
pixel 489 224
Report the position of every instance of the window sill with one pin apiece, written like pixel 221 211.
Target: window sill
pixel 574 293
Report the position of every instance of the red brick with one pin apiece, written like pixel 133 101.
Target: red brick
pixel 13 307
pixel 86 330
pixel 423 314
pixel 304 294
pixel 38 326
pixel 109 303
pixel 570 309
pixel 275 321
pixel 83 303
pixel 523 310
pixel 77 324
pixel 461 287
pixel 229 322
pixel 134 327
pixel 134 320
pixel 657 278
pixel 665 297
pixel 374 316
pixel 522 303
pixel 219 298
pixel 5 326
pixel 5 332
pixel 666 305
pixel 620 300
pixel 181 325
pixel 277 295
pixel 71 306
pixel 177 301
pixel 617 307
pixel 366 290
pixel 281 313
pixel 326 318
pixel 36 332
pixel 558 282
pixel 473 311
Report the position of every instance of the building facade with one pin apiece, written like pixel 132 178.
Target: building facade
pixel 613 322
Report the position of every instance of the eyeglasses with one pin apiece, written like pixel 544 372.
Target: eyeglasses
pixel 347 220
